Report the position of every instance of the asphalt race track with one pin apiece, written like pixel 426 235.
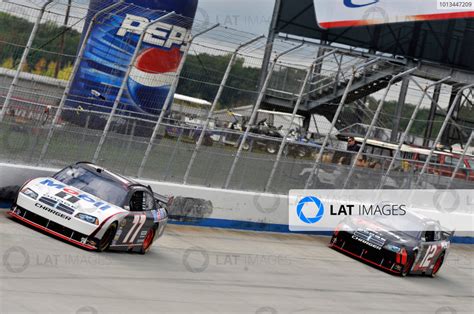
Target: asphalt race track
pixel 194 270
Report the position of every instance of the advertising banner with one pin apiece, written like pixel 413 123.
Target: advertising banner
pixel 110 47
pixel 348 13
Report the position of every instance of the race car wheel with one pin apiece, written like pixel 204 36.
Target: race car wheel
pixel 148 241
pixel 207 141
pixel 406 269
pixel 438 264
pixel 106 240
pixel 302 152
pixel 246 146
pixel 271 148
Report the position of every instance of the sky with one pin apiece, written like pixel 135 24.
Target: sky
pixel 248 15
pixel 252 16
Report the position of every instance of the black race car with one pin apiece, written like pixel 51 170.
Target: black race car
pixel 419 252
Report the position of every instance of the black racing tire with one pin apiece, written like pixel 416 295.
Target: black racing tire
pixel 206 141
pixel 246 146
pixel 148 241
pixel 438 264
pixel 107 239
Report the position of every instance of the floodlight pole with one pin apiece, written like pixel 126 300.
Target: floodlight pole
pixel 24 56
pixel 441 131
pixel 292 120
pixel 374 120
pixel 336 118
pixel 408 128
pixel 272 33
pixel 124 83
pixel 75 69
pixel 169 99
pixel 214 104
pixel 255 111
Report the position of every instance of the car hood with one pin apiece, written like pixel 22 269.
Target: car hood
pixel 381 230
pixel 74 198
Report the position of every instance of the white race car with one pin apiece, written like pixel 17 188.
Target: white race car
pixel 93 208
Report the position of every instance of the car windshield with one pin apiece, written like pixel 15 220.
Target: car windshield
pixel 94 184
pixel 408 224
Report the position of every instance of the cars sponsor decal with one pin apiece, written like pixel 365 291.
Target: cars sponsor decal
pixel 72 195
pixel 52 211
pixel 159 214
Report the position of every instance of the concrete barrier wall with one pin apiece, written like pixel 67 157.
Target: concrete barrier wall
pixel 200 206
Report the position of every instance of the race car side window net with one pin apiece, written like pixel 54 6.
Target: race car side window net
pixel 136 202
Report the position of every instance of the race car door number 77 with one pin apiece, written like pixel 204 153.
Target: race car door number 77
pixel 137 224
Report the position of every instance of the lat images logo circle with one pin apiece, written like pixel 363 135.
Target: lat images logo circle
pixel 311 200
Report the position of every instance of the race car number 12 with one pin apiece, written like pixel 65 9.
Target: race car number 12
pixel 430 253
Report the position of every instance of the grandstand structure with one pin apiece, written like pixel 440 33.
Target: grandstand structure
pixel 338 90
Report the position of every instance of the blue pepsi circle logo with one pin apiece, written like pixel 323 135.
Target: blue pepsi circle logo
pixel 310 220
pixel 151 77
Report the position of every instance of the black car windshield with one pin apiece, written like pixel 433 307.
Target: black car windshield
pixel 408 224
pixel 93 183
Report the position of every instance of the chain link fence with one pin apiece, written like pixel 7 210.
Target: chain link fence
pixel 218 131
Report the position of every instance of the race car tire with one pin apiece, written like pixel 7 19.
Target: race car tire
pixel 206 141
pixel 406 269
pixel 150 235
pixel 272 148
pixel 438 264
pixel 106 240
pixel 302 152
pixel 246 146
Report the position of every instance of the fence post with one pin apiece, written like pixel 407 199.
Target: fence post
pixel 214 104
pixel 441 131
pixel 408 128
pixel 295 110
pixel 374 120
pixel 79 58
pixel 461 161
pixel 335 119
pixel 23 60
pixel 124 84
pixel 169 100
pixel 255 111
pixel 287 133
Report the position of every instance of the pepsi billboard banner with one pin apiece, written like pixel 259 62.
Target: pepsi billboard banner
pixel 110 47
pixel 349 13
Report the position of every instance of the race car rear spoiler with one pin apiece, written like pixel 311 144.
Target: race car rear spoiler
pixel 165 201
pixel 447 233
